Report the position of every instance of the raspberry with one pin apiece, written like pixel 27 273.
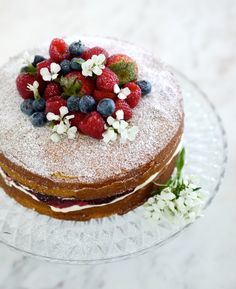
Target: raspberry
pixel 22 82
pixel 121 104
pixel 52 89
pixel 124 67
pixel 54 104
pixel 92 125
pixel 87 84
pixel 59 50
pixel 134 97
pixel 94 51
pixel 78 117
pixel 44 64
pixel 107 80
pixel 101 94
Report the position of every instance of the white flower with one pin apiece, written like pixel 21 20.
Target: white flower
pixel 118 126
pixel 94 65
pixel 50 74
pixel 33 87
pixel 63 128
pixel 122 93
pixel 27 59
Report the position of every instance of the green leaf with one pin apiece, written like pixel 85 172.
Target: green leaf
pixel 180 163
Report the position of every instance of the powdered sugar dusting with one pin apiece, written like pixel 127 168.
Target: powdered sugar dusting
pixel 88 160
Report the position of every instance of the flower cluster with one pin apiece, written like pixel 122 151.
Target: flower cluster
pixel 93 65
pixel 119 126
pixel 61 125
pixel 186 206
pixel 179 200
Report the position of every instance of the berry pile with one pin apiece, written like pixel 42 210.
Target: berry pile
pixel 89 82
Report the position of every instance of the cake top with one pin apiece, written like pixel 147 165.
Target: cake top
pixel 155 119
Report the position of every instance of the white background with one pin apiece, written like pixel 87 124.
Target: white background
pixel 197 37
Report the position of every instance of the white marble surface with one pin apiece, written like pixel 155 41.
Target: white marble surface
pixel 198 38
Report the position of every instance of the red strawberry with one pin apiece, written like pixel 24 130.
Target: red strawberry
pixel 87 84
pixel 54 104
pixel 124 67
pixel 22 82
pixel 121 104
pixel 59 50
pixel 92 125
pixel 134 97
pixel 94 51
pixel 107 80
pixel 52 89
pixel 100 94
pixel 44 64
pixel 78 117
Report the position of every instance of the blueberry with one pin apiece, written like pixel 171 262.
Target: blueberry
pixel 75 63
pixel 65 66
pixel 106 107
pixel 76 48
pixel 145 86
pixel 73 103
pixel 87 104
pixel 38 119
pixel 27 106
pixel 37 59
pixel 39 104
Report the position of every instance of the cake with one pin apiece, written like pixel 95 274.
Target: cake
pixel 92 168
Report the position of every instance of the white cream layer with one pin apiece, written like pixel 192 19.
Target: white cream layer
pixel 73 208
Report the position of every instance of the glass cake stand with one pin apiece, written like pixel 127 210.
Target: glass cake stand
pixel 120 237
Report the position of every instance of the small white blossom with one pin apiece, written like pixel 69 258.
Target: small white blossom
pixel 63 128
pixel 50 74
pixel 118 126
pixel 122 93
pixel 94 65
pixel 27 59
pixel 33 87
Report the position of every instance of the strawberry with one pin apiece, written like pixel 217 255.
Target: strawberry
pixel 92 125
pixel 59 50
pixel 44 64
pixel 101 94
pixel 78 117
pixel 52 89
pixel 124 67
pixel 54 103
pixel 94 51
pixel 87 84
pixel 22 82
pixel 134 97
pixel 121 104
pixel 107 80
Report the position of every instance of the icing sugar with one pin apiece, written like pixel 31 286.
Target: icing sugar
pixel 88 160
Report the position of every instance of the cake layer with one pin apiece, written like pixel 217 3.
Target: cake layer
pixel 121 206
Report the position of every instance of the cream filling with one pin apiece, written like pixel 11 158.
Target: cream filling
pixel 73 208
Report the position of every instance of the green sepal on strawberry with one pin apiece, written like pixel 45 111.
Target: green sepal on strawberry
pixel 124 67
pixel 87 85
